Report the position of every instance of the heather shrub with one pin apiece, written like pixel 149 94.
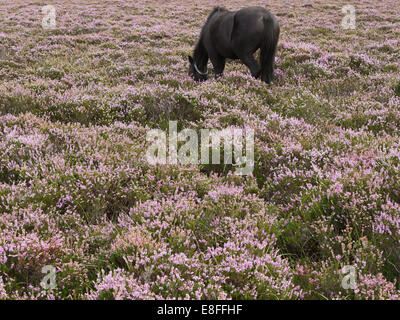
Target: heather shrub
pixel 396 89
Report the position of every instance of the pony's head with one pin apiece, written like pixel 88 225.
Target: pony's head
pixel 195 72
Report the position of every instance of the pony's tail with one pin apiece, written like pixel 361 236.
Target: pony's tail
pixel 268 48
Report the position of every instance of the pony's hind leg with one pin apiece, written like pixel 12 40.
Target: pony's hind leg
pixel 267 63
pixel 252 64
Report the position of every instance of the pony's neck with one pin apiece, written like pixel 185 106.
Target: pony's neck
pixel 200 56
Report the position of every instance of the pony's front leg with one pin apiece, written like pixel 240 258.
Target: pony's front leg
pixel 218 63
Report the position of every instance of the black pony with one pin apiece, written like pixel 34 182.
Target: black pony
pixel 236 35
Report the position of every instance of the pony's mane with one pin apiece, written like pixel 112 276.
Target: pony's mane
pixel 200 53
pixel 215 10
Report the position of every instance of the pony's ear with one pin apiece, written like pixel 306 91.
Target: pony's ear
pixel 191 59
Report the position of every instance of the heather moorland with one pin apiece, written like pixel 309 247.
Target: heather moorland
pixel 76 192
